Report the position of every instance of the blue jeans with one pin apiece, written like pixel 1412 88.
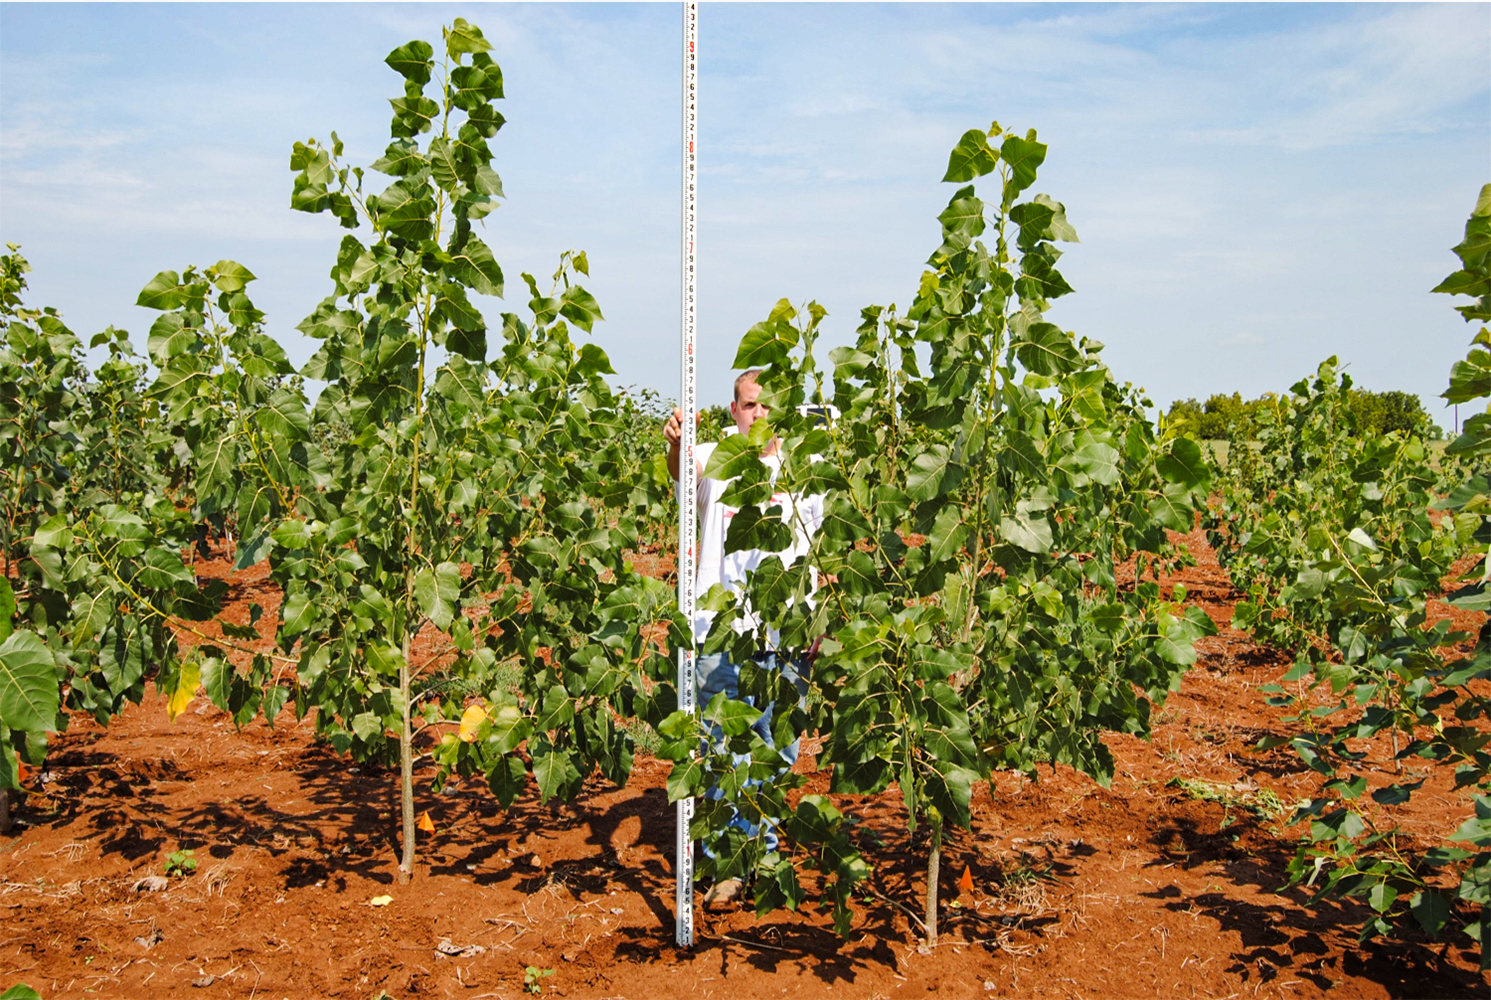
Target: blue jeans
pixel 715 674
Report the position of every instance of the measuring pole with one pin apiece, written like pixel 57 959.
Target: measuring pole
pixel 687 469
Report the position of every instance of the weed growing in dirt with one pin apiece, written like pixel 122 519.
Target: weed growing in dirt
pixel 181 863
pixel 533 977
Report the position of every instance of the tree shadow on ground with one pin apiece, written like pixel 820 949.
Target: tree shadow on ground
pixel 1291 935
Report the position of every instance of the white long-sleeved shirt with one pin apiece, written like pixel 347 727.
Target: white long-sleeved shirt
pixel 805 514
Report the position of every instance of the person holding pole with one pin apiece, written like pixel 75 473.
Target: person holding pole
pixel 716 673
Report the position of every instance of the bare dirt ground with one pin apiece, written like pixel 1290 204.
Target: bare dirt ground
pixel 1144 889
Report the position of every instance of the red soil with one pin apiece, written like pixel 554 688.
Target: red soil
pixel 1135 890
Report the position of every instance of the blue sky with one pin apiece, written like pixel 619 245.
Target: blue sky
pixel 1256 186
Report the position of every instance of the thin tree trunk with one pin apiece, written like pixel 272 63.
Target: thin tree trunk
pixel 4 810
pixel 934 864
pixel 406 773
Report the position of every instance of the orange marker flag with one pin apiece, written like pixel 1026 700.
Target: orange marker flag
pixel 425 823
pixel 966 882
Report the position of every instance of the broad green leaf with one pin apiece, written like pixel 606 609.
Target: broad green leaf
pixel 1184 464
pixel 1046 349
pixel 1029 530
pixel 1024 157
pixel 579 307
pixel 413 61
pixel 555 772
pixel 1430 909
pixel 933 473
pixel 731 457
pixel 29 696
pixel 475 267
pixel 765 344
pixel 971 157
pixel 436 591
pixel 54 533
pixel 229 276
pixel 163 292
pixel 463 37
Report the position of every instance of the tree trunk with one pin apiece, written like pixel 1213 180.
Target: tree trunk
pixel 406 773
pixel 934 864
pixel 4 810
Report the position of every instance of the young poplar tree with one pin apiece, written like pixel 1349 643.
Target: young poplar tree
pixel 985 478
pixel 447 527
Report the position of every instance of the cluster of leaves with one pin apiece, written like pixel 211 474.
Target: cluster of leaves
pixel 92 536
pixel 984 482
pixel 1224 417
pixel 1328 531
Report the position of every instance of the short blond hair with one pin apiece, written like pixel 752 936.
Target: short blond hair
pixel 750 375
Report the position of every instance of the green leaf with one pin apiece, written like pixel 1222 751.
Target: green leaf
pixel 436 590
pixel 1046 349
pixel 971 157
pixel 732 456
pixel 229 276
pixel 933 473
pixel 950 789
pixel 579 307
pixel 555 772
pixel 1184 464
pixel 401 158
pixel 1029 530
pixel 1382 897
pixel 765 344
pixel 948 534
pixel 1096 460
pixel 20 991
pixel 54 533
pixel 463 37
pixel 163 292
pixel 1430 909
pixel 29 696
pixel 413 61
pixel 507 779
pixel 1024 157
pixel 475 267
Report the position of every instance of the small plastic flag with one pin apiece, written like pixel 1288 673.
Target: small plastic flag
pixel 966 882
pixel 425 823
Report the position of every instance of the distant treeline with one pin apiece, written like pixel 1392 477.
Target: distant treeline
pixel 1373 413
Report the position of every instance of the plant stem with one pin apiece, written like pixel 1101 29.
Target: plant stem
pixel 934 864
pixel 4 809
pixel 406 770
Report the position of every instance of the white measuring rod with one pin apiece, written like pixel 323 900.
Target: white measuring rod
pixel 687 469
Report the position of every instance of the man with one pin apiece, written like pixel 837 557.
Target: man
pixel 715 671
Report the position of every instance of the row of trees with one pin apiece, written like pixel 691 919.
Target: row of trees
pixel 452 520
pixel 1339 538
pixel 1366 414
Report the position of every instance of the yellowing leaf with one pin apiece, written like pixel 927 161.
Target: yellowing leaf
pixel 965 883
pixel 380 901
pixel 425 823
pixel 186 689
pixel 471 721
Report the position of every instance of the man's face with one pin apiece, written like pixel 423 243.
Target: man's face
pixel 745 408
